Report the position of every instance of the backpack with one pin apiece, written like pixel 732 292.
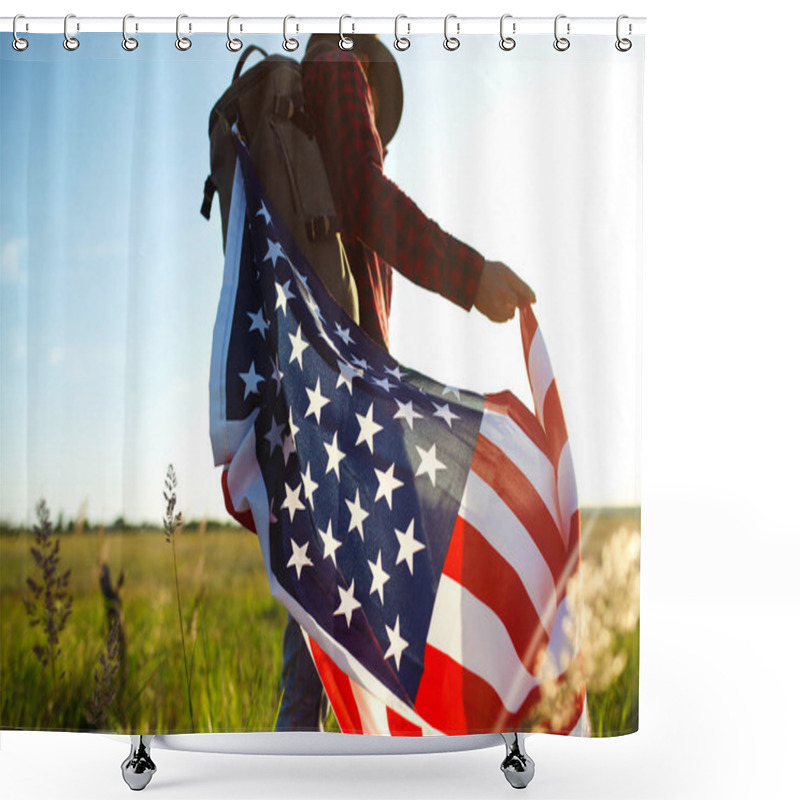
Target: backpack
pixel 268 107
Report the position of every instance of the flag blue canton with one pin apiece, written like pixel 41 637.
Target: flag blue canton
pixel 364 461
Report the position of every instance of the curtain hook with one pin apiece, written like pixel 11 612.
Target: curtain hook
pixel 182 42
pixel 70 42
pixel 289 44
pixel 623 45
pixel 128 42
pixel 19 44
pixel 561 43
pixel 400 42
pixel 507 42
pixel 345 42
pixel 234 45
pixel 451 42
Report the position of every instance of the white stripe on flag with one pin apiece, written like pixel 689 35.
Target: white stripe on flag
pixel 226 435
pixel 560 648
pixel 371 711
pixel 482 508
pixel 470 633
pixel 245 481
pixel 503 432
pixel 540 371
pixel 583 727
pixel 567 490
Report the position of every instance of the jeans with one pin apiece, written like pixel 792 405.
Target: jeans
pixel 303 701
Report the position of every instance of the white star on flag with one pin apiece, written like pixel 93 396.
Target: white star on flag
pixel 408 546
pixel 346 375
pixel 316 401
pixel 298 345
pixel 348 603
pixel 343 334
pixel 293 429
pixel 262 212
pixel 284 293
pixel 309 485
pixel 292 501
pixel 362 363
pixel 275 435
pixel 396 373
pixel 387 483
pixel 446 414
pixel 274 252
pixel 335 455
pixel 396 643
pixel 251 380
pixel 368 428
pixel 299 558
pixel 429 463
pixel 330 542
pixel 357 515
pixel 379 577
pixel 406 411
pixel 383 383
pixel 277 375
pixel 258 323
pixel 451 390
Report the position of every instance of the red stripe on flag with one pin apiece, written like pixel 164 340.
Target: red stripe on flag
pixel 400 726
pixel 457 701
pixel 242 517
pixel 339 691
pixel 509 405
pixel 495 468
pixel 454 700
pixel 528 325
pixel 575 532
pixel 554 423
pixel 481 570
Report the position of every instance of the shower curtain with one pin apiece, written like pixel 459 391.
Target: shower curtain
pixel 234 500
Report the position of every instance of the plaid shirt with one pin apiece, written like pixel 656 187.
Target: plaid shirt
pixel 381 226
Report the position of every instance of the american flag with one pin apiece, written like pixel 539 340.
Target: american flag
pixel 422 535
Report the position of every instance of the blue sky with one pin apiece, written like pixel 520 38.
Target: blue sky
pixel 109 276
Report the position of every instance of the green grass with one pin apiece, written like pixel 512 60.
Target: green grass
pixel 233 636
pixel 616 710
pixel 233 630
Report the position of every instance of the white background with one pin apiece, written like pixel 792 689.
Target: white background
pixel 720 598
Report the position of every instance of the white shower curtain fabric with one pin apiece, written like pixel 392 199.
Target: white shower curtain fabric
pixel 450 526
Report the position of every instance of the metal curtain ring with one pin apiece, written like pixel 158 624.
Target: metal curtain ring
pixel 506 42
pixel 289 44
pixel 561 43
pixel 623 45
pixel 128 42
pixel 451 42
pixel 345 42
pixel 182 42
pixel 19 43
pixel 70 42
pixel 400 42
pixel 234 45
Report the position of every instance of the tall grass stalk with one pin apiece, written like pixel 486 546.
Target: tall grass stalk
pixel 50 604
pixel 172 523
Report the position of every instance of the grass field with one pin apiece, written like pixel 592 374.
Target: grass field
pixel 232 635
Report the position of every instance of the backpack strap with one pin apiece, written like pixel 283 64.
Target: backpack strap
pixel 244 56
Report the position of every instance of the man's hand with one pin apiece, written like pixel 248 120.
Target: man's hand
pixel 500 291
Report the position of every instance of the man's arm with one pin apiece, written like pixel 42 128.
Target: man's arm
pixel 373 207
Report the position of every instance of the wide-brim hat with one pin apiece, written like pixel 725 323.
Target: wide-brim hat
pixel 383 75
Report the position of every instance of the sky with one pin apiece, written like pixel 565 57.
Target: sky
pixel 109 276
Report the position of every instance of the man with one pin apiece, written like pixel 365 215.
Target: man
pixel 355 100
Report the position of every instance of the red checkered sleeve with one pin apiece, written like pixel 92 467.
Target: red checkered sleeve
pixel 373 209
